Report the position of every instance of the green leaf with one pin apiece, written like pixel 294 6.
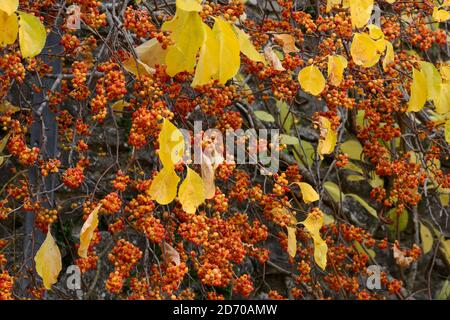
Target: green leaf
pixel 334 191
pixel 264 116
pixel 352 148
pixel 304 151
pixel 445 291
pixel 286 117
pixel 427 238
pixel 401 220
pixel 355 178
pixel 366 206
pixel 286 139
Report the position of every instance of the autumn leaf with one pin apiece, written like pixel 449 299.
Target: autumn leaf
pixel 312 80
pixel 336 66
pixel 9 6
pixel 308 193
pixel 191 194
pixel 400 256
pixel 247 47
pixel 419 92
pixel 208 61
pixel 433 79
pixel 32 35
pixel 447 131
pixel 364 50
pixel 164 186
pixel 189 5
pixel 171 144
pixel 208 177
pixel 229 50
pixel 389 57
pixel 320 252
pixel 170 255
pixel 151 53
pixel 313 223
pixel 9 26
pixel 442 104
pixel 87 232
pixel 288 42
pixel 188 34
pixel 292 241
pixel 48 261
pixel 360 12
pixel 273 59
pixel 440 15
pixel 327 139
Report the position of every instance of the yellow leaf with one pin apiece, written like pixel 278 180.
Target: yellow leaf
pixel 308 192
pixel 229 51
pixel 137 67
pixel 247 47
pixel 313 223
pixel 292 241
pixel 360 12
pixel 208 61
pixel 273 59
pixel 375 32
pixel 427 238
pixel 320 252
pixel 442 104
pixel 32 35
pixel 4 142
pixel 311 80
pixel 331 4
pixel 48 261
pixel 191 194
pixel 188 34
pixel 9 6
pixel 87 232
pixel 336 66
pixel 434 81
pixel 288 42
pixel 151 53
pixel 328 137
pixel 440 15
pixel 419 92
pixel 364 50
pixel 119 106
pixel 171 144
pixel 445 72
pixel 164 186
pixel 389 58
pixel 189 5
pixel 6 106
pixel 9 27
pixel 447 131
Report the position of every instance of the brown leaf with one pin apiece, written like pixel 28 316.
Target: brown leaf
pixel 288 42
pixel 170 254
pixel 273 59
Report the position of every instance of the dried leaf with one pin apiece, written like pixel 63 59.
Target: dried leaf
pixel 288 42
pixel 273 59
pixel 170 254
